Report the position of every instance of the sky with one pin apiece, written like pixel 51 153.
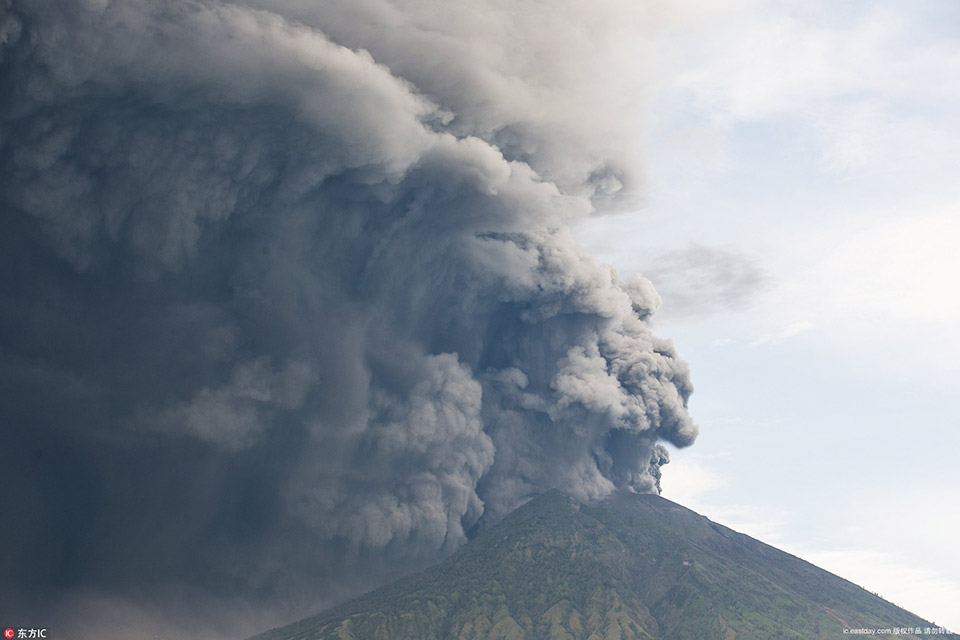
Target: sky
pixel 301 296
pixel 805 217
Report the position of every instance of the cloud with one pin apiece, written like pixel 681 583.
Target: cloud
pixel 856 82
pixel 229 417
pixel 792 330
pixel 877 292
pixel 291 303
pixel 797 328
pixel 699 280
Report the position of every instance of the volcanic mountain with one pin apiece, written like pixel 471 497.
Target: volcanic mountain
pixel 628 567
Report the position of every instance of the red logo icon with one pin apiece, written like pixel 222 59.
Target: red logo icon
pixel 9 633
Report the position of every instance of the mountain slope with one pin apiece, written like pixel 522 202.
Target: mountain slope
pixel 630 567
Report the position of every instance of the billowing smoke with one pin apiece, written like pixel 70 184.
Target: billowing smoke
pixel 289 299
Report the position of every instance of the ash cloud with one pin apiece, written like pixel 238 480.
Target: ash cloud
pixel 700 280
pixel 290 304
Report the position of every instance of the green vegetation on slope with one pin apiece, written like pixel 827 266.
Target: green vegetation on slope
pixel 628 568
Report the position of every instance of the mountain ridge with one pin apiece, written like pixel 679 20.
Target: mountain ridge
pixel 631 566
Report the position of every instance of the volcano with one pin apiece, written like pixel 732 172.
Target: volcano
pixel 628 567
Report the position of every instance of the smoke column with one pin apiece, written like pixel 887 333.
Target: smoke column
pixel 290 304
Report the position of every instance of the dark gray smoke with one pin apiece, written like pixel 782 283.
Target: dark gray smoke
pixel 289 304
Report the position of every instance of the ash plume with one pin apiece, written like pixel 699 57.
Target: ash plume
pixel 290 304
